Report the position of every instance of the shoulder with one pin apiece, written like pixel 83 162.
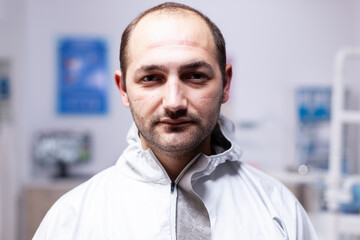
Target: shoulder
pixel 270 189
pixel 96 184
pixel 281 203
pixel 235 186
pixel 63 216
pixel 249 184
pixel 262 179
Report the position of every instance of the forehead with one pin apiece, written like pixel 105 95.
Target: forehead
pixel 161 29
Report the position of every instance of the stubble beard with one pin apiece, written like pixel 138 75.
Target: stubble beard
pixel 176 140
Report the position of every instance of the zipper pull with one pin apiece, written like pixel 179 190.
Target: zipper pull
pixel 172 187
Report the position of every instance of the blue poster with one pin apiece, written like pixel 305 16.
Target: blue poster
pixel 82 76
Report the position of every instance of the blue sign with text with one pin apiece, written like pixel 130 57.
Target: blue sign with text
pixel 82 76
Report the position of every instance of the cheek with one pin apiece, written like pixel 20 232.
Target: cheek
pixel 139 95
pixel 137 99
pixel 210 97
pixel 144 101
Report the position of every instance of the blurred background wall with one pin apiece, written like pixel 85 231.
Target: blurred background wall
pixel 274 46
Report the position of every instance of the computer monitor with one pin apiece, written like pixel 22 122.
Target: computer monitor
pixel 62 149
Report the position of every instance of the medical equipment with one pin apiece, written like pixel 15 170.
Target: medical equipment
pixel 339 186
pixel 313 128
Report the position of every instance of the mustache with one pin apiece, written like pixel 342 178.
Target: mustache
pixel 181 113
pixel 176 114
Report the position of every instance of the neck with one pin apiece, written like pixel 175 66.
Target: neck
pixel 175 162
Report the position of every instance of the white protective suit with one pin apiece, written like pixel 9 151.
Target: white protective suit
pixel 135 199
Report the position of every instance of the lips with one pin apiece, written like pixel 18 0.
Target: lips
pixel 175 122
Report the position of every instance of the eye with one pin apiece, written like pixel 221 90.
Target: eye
pixel 196 77
pixel 151 78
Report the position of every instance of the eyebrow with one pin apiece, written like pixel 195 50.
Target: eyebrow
pixel 149 68
pixel 197 64
pixel 162 68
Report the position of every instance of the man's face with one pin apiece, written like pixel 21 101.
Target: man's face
pixel 174 86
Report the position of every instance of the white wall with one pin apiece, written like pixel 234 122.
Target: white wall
pixel 46 23
pixel 278 46
pixel 12 32
pixel 274 46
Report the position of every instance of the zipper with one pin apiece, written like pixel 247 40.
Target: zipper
pixel 173 203
pixel 173 198
pixel 172 187
pixel 173 192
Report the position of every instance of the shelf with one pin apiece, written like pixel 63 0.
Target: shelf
pixel 296 178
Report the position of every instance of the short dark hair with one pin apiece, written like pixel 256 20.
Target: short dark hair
pixel 173 7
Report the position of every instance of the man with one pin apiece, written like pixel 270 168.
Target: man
pixel 181 175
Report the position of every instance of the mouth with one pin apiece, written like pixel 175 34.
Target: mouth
pixel 180 122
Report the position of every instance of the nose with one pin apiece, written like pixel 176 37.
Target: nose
pixel 174 97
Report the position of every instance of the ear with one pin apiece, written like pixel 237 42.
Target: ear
pixel 121 86
pixel 226 88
